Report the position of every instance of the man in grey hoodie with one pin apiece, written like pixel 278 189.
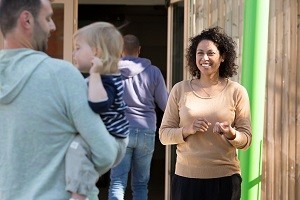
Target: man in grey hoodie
pixel 144 88
pixel 43 106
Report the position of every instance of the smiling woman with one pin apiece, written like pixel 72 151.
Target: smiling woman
pixel 208 119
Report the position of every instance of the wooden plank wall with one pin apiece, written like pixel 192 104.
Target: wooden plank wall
pixel 281 159
pixel 281 150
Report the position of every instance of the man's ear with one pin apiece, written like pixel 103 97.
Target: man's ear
pixel 26 19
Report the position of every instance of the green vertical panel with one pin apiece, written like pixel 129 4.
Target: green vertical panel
pixel 254 61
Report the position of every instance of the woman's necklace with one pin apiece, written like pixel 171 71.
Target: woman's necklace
pixel 202 88
pixel 209 95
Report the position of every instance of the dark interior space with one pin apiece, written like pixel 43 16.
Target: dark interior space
pixel 149 24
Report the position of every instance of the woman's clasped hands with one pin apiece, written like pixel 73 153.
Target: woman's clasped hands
pixel 225 129
pixel 198 125
pixel 201 125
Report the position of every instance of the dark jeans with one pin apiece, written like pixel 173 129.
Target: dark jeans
pixel 137 159
pixel 224 188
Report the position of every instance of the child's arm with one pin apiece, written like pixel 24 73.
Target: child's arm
pixel 97 92
pixel 103 106
pixel 101 94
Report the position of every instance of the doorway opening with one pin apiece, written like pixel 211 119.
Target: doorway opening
pixel 149 24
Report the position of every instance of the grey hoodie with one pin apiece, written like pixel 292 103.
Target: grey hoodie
pixel 144 88
pixel 43 105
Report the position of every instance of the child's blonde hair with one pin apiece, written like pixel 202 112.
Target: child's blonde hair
pixel 107 41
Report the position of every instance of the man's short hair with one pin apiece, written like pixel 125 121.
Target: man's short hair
pixel 131 44
pixel 11 9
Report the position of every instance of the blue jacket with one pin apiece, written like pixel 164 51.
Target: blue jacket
pixel 144 88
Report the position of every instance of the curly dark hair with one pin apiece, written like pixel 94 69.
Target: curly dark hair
pixel 225 45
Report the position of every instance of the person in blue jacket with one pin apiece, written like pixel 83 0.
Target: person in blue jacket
pixel 144 88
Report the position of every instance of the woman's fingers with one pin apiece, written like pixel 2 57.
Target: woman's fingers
pixel 201 125
pixel 217 128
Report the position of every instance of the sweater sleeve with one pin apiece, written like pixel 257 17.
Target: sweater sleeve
pixel 242 122
pixel 169 131
pixel 103 106
pixel 104 147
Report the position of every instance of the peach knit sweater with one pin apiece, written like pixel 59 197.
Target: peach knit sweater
pixel 206 155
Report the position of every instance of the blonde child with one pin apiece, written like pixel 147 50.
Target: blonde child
pixel 97 51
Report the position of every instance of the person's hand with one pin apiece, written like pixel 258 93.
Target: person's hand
pixel 97 65
pixel 76 196
pixel 225 129
pixel 198 125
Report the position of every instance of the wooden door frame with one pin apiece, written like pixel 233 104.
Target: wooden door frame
pixel 70 16
pixel 187 3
